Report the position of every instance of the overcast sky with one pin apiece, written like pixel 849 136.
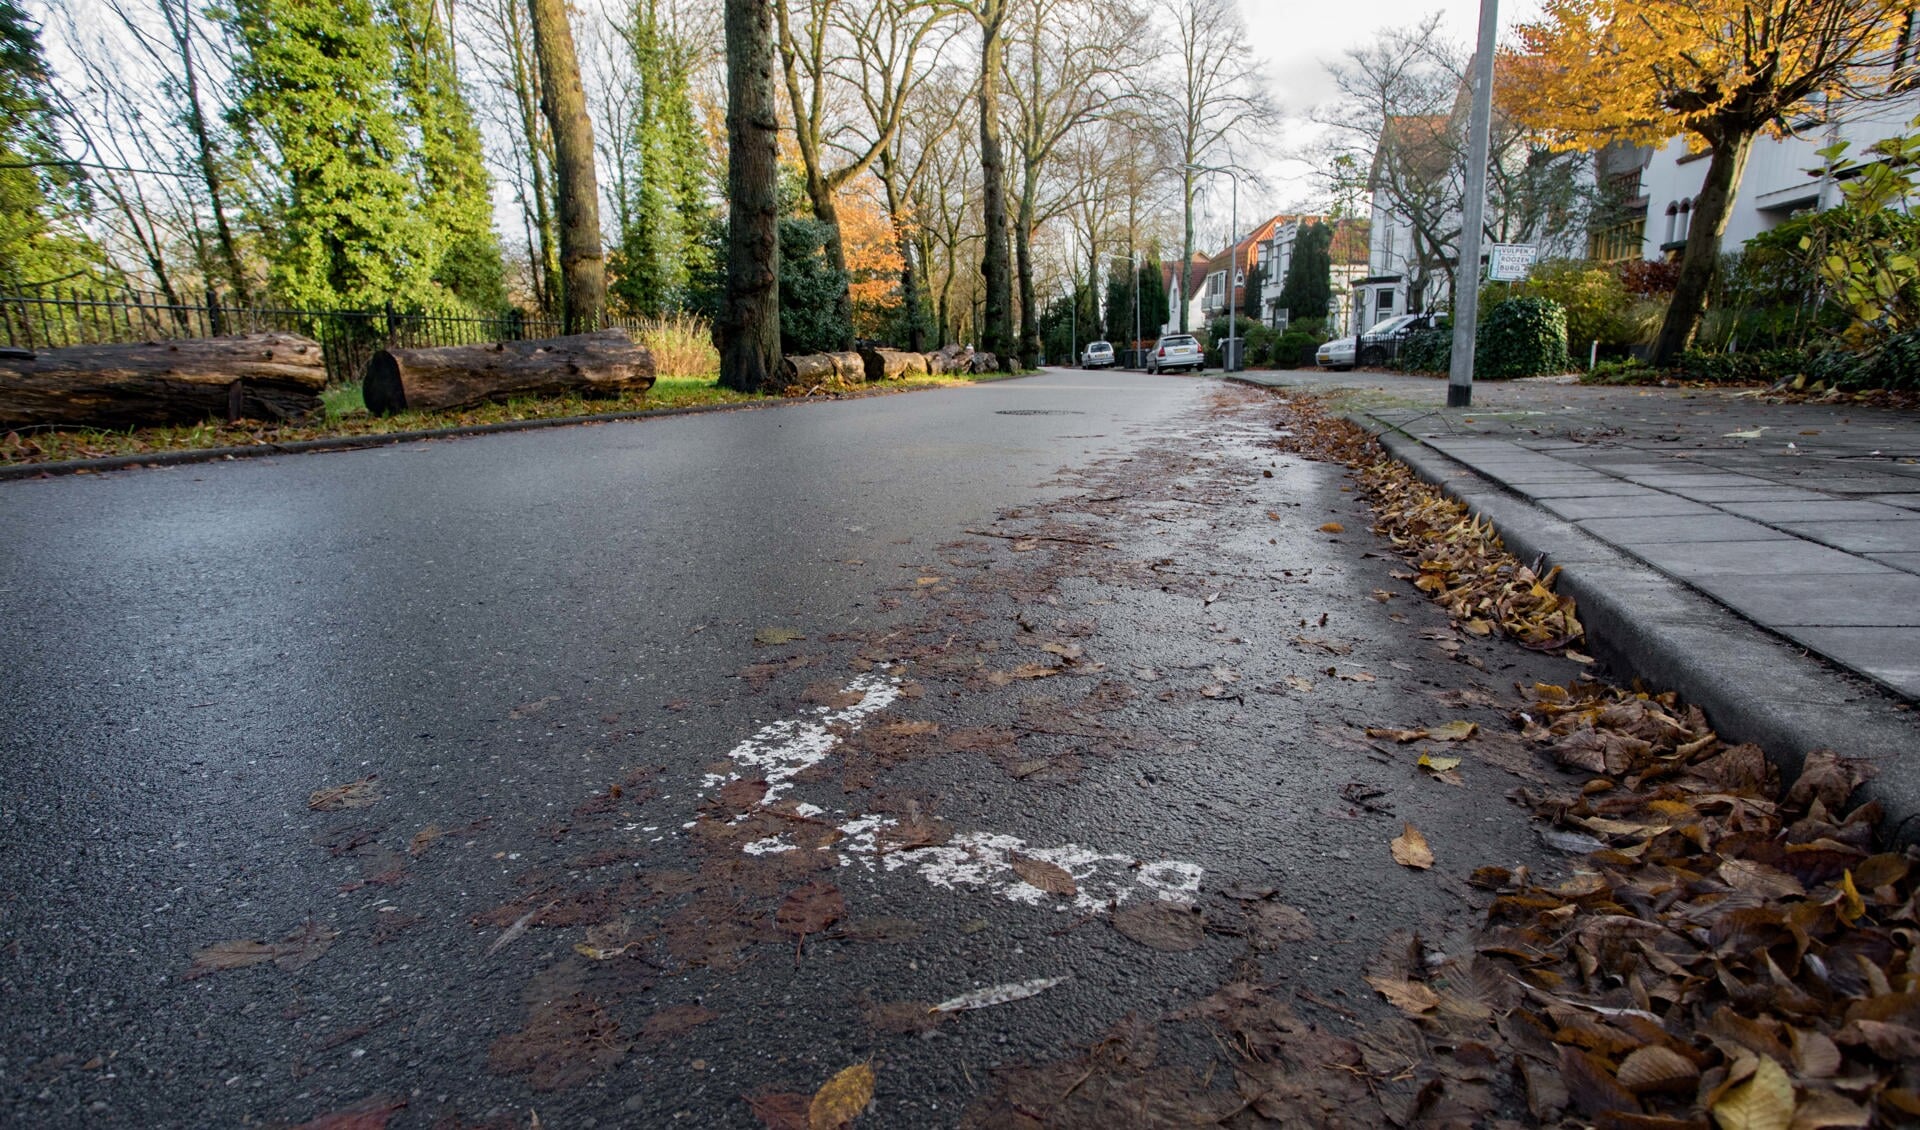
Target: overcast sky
pixel 1295 39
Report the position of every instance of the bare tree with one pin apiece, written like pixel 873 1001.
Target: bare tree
pixel 841 50
pixel 1398 135
pixel 748 330
pixel 503 47
pixel 1066 65
pixel 1213 97
pixel 582 262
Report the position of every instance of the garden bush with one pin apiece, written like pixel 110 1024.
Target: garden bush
pixel 1429 351
pixel 1521 337
pixel 1841 368
pixel 1592 295
pixel 1294 349
pixel 1895 365
pixel 1769 366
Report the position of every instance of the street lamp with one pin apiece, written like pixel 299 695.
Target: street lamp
pixel 1229 349
pixel 1132 259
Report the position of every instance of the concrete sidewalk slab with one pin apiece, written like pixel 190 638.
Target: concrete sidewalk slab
pixel 1703 559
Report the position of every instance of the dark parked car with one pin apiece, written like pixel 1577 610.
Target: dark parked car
pixel 1382 343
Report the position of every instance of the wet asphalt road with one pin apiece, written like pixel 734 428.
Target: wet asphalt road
pixel 499 629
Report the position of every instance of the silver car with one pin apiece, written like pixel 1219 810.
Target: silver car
pixel 1335 354
pixel 1176 352
pixel 1098 355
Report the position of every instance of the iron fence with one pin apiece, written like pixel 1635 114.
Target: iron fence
pixel 348 338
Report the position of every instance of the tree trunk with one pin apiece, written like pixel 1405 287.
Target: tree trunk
pixel 748 329
pixel 271 376
pixel 809 370
pixel 540 251
pixel 180 27
pixel 1702 256
pixel 909 282
pixel 996 331
pixel 582 265
pixel 606 363
pixel 1023 252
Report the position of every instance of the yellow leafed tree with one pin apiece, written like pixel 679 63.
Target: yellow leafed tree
pixel 1716 71
pixel 873 260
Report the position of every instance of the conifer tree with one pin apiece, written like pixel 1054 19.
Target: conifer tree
pixel 448 167
pixel 316 96
pixel 661 248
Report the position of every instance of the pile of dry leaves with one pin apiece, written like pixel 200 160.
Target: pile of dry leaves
pixel 1462 563
pixel 1725 949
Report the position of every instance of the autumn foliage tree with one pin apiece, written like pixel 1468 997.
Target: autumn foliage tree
pixel 1716 71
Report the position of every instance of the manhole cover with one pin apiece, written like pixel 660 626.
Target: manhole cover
pixel 1038 412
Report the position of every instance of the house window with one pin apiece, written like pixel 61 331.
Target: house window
pixel 1673 217
pixel 1686 218
pixel 1383 301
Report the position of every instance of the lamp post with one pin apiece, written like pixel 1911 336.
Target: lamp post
pixel 1230 349
pixel 1466 284
pixel 1073 320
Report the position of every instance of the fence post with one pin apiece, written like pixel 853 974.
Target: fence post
pixel 216 325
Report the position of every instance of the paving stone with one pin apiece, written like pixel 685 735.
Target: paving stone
pixel 1906 501
pixel 1712 527
pixel 1829 510
pixel 1650 504
pixel 1896 536
pixel 1889 655
pixel 1599 486
pixel 1722 480
pixel 1768 493
pixel 1784 555
pixel 1889 599
pixel 1908 561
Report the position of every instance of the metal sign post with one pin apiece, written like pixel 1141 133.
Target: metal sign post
pixel 1466 279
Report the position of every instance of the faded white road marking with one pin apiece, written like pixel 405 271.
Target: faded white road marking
pixel 781 750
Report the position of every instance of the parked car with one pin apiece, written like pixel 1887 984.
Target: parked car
pixel 1176 351
pixel 1098 355
pixel 1335 354
pixel 1382 343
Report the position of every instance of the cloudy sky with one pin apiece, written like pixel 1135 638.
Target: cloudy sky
pixel 1295 39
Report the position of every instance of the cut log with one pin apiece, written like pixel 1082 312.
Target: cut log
pixel 812 370
pixel 270 376
pixel 984 363
pixel 605 363
pixel 892 364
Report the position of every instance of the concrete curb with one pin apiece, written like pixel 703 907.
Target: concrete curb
pixel 1753 686
pixel 357 443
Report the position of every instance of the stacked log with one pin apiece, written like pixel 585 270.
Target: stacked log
pixel 984 363
pixel 893 364
pixel 606 363
pixel 814 370
pixel 269 376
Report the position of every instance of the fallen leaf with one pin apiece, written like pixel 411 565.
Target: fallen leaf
pixel 1656 1069
pixel 842 1100
pixel 1271 923
pixel 997 994
pixel 423 839
pixel 925 581
pixel 1410 997
pixel 526 709
pixel 292 953
pixel 1764 1102
pixel 367 1114
pixel 1160 925
pixel 1410 849
pixel 1454 732
pixel 1353 676
pixel 1401 736
pixel 1049 877
pixel 353 794
pixel 518 928
pixel 1438 764
pixel 1299 683
pixel 675 1021
pixel 1066 651
pixel 1333 528
pixel 810 909
pixel 781 1110
pixel 774 637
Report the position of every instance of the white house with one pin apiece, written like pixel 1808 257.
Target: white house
pixel 1655 189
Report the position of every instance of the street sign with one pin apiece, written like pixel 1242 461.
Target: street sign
pixel 1508 262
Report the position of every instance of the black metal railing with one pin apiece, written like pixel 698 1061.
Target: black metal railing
pixel 348 338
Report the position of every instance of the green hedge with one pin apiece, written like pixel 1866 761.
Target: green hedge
pixel 1521 337
pixel 1429 351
